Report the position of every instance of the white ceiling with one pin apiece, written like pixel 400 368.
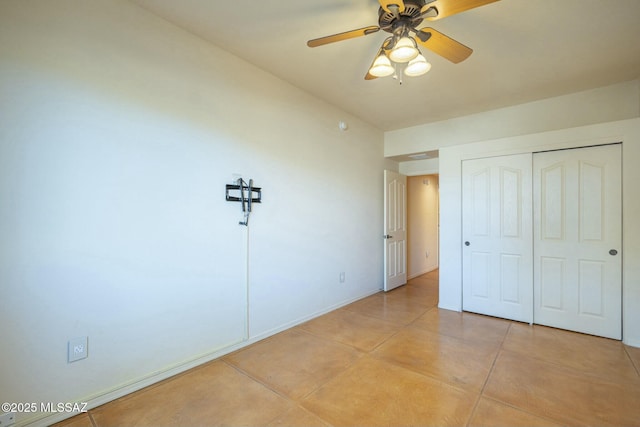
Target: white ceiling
pixel 524 50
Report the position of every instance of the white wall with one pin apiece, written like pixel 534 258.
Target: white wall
pixel 601 105
pixel 422 224
pixel 419 167
pixel 118 133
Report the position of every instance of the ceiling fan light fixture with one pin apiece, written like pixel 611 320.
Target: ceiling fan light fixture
pixel 381 67
pixel 417 66
pixel 402 19
pixel 404 50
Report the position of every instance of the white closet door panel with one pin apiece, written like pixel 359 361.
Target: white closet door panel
pixel 577 222
pixel 497 250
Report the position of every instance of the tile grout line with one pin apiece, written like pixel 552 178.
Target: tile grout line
pixel 363 353
pixel 422 373
pixel 517 408
pixel 500 349
pixel 633 363
pixel 93 422
pixel 292 401
pixel 493 365
pixel 251 377
pixel 552 361
pixel 295 401
pixel 403 327
pixel 301 330
pixel 360 354
pixel 400 329
pixel 143 391
pixel 482 395
pixel 525 411
pixel 369 352
pixel 325 338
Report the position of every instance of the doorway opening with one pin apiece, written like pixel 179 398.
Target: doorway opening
pixel 423 225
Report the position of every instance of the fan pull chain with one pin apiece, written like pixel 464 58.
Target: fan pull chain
pixel 398 75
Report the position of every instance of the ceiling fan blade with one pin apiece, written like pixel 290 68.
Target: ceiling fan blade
pixel 443 45
pixel 446 8
pixel 343 36
pixel 384 4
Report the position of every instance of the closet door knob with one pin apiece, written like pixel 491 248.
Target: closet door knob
pixel 613 252
pixel 467 243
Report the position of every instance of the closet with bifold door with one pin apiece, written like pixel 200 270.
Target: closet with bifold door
pixel 542 238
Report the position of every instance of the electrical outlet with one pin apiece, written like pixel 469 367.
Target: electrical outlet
pixel 342 277
pixel 7 419
pixel 78 348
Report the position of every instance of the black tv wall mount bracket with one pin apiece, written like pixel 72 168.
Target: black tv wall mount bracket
pixel 246 194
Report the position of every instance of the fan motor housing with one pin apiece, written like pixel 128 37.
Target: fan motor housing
pixel 409 18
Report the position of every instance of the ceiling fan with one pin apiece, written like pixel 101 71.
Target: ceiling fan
pixel 401 19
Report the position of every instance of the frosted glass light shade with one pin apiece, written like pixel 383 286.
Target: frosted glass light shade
pixel 417 66
pixel 381 67
pixel 404 51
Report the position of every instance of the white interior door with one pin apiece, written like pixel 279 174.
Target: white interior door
pixel 497 242
pixel 578 233
pixel 395 230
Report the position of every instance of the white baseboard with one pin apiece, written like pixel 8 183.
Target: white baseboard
pixel 98 399
pixel 632 343
pixel 303 319
pixel 429 270
pixel 450 308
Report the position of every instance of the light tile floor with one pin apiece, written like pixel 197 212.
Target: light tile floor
pixel 396 359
